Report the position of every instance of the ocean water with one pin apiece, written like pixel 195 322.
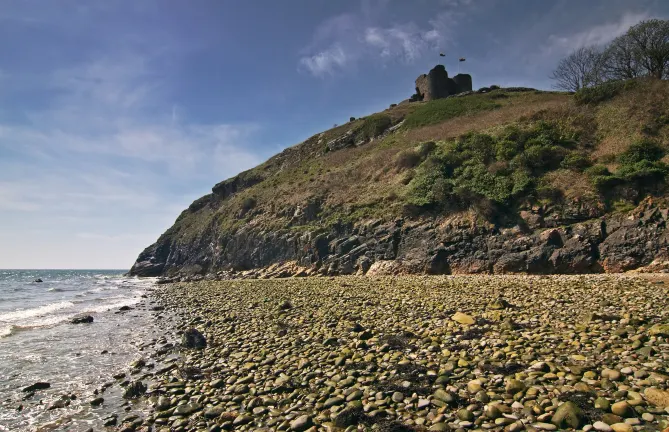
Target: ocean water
pixel 38 343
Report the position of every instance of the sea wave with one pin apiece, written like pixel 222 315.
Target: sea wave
pixel 113 305
pixel 22 314
pixel 6 331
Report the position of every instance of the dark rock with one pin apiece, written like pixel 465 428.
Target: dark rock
pixel 97 401
pixel 38 280
pixel 37 386
pixel 584 243
pixel 59 404
pixel 134 390
pixel 84 319
pixel 110 420
pixel 125 308
pixel 192 338
pixel 568 415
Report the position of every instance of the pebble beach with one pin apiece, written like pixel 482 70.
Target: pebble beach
pixel 513 353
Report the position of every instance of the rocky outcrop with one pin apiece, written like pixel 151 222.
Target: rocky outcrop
pixel 571 239
pixel 437 85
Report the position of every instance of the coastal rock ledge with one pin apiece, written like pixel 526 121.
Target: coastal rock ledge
pixel 572 239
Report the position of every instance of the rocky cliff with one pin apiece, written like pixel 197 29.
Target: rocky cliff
pixel 502 182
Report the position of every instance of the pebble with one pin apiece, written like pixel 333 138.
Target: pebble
pixel 424 352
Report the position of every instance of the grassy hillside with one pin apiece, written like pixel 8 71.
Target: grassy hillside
pixel 495 153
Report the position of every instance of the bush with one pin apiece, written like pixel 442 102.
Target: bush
pixel 499 169
pixel 644 173
pixel 424 149
pixel 598 170
pixel 602 92
pixel 640 167
pixel 440 110
pixel 641 151
pixel 576 161
pixel 407 159
pixel 351 119
pixel 249 203
pixel 373 126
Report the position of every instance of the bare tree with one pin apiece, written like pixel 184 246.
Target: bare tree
pixel 581 68
pixel 650 40
pixel 620 61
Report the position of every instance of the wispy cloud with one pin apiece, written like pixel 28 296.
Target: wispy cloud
pixel 106 154
pixel 326 62
pixel 342 41
pixel 405 42
pixel 599 35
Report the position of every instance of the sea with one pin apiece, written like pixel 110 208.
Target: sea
pixel 39 344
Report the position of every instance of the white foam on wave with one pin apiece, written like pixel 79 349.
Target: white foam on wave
pixel 113 305
pixel 6 331
pixel 22 314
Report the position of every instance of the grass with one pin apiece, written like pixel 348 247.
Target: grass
pixel 379 179
pixel 440 110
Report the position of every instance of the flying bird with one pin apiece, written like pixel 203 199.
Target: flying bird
pixel 462 59
pixel 442 55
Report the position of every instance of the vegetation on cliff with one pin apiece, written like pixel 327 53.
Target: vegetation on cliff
pixel 493 155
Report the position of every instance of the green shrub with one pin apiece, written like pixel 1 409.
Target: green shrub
pixel 422 192
pixel 598 170
pixel 507 149
pixel 576 161
pixel 373 126
pixel 407 159
pixel 640 167
pixel 424 149
pixel 602 92
pixel 249 203
pixel 644 173
pixel 496 169
pixel 440 110
pixel 641 151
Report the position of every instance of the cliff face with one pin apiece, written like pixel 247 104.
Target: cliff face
pixel 457 245
pixel 435 187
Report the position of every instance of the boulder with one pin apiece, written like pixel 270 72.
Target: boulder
pixel 38 280
pixel 657 397
pixel 462 318
pixel 301 423
pixel 192 338
pixel 134 390
pixel 659 330
pixel 568 415
pixel 37 386
pixel 83 319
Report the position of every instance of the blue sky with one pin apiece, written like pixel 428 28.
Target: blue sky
pixel 115 115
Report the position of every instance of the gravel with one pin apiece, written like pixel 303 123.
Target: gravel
pixel 410 354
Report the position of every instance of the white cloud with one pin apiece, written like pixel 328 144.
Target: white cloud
pixel 106 165
pixel 598 35
pixel 325 62
pixel 343 41
pixel 406 42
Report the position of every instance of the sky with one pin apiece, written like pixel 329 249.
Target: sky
pixel 116 115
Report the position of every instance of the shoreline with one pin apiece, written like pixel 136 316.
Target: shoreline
pixel 57 374
pixel 412 353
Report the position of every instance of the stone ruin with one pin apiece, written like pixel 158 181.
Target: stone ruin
pixel 437 85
